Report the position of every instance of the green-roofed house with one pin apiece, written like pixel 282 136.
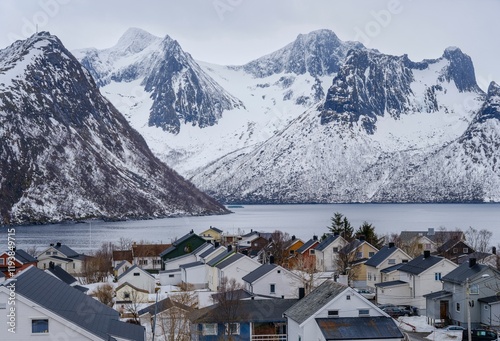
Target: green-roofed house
pixel 182 246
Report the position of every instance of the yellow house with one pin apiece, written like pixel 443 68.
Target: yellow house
pixel 359 251
pixel 213 234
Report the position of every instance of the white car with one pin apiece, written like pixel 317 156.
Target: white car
pixel 366 294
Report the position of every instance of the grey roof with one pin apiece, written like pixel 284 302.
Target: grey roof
pixel 464 271
pixel 432 234
pixel 163 305
pixel 389 284
pixel 381 256
pixel 119 265
pixel 81 288
pixel 191 265
pixel 63 259
pixel 478 255
pixel 359 328
pixel 133 268
pixel 323 245
pixel 353 245
pixel 62 274
pixel 246 311
pixel 238 294
pixel 306 246
pixel 490 299
pixel 311 303
pixel 216 229
pixel 259 272
pixel 24 257
pixel 208 251
pixel 419 264
pixel 438 294
pixel 392 268
pixel 74 306
pixel 229 260
pixel 219 258
pixel 66 250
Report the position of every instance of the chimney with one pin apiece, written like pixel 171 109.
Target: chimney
pixel 58 244
pixel 472 262
pixel 494 250
pixel 216 244
pixel 315 237
pixel 51 265
pixel 51 244
pixel 427 253
pixel 293 237
pixel 430 232
pixel 361 238
pixel 229 248
pixel 244 252
pixel 302 293
pixel 335 234
pixel 271 259
pixel 391 244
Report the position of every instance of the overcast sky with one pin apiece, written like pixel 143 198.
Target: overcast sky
pixel 237 31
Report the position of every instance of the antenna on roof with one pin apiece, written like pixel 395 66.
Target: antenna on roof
pixel 36 28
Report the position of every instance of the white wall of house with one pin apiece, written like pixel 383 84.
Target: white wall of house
pixel 195 275
pixel 247 241
pixel 139 279
pixel 285 284
pixel 348 304
pixel 174 263
pixel 390 276
pixel 326 259
pixel 396 294
pixel 170 277
pixel 72 266
pixel 429 281
pixel 26 311
pixel 124 267
pixel 490 314
pixel 128 293
pixel 238 269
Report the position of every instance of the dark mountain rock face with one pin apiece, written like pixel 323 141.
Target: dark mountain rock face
pixel 67 153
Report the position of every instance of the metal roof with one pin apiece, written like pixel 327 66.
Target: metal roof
pixel 61 274
pixel 66 250
pixel 330 239
pixel 464 271
pixel 438 294
pixel 163 305
pixel 316 299
pixel 307 245
pixel 389 284
pixel 489 299
pixel 134 268
pixel 419 264
pixel 229 260
pixel 381 256
pixel 392 268
pixel 359 328
pixel 24 257
pixel 191 265
pixel 219 258
pixel 259 272
pixel 74 306
pixel 207 252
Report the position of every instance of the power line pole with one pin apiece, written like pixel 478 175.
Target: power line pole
pixel 467 297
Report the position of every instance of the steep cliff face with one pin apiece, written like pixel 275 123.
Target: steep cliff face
pixel 67 153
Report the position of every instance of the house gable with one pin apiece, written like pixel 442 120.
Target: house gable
pixel 184 245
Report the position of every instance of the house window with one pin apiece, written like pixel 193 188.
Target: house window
pixel 232 329
pixel 272 288
pixel 348 297
pixel 279 271
pixel 48 253
pixel 375 277
pixel 420 246
pixel 428 246
pixel 171 276
pixel 364 312
pixel 136 274
pixel 209 329
pixel 437 276
pixel 126 295
pixel 455 249
pixel 486 307
pixel 157 261
pixel 369 276
pixel 359 255
pixel 2 261
pixel 335 249
pixel 458 307
pixel 466 250
pixel 391 261
pixel 74 266
pixel 39 326
pixel 54 253
pixel 333 313
pixel 292 252
pixel 371 254
pixel 474 289
pixel 311 252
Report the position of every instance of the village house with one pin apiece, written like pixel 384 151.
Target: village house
pixel 429 240
pixel 353 256
pixel 304 257
pixel 337 312
pixel 327 252
pixel 274 281
pixel 49 309
pixel 121 267
pixel 147 256
pixel 138 278
pixel 63 256
pixel 418 277
pixel 212 235
pixel 385 258
pixel 182 246
pixel 454 249
pixel 236 266
pixel 22 260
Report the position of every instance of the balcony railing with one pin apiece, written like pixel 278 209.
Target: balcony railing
pixel 270 337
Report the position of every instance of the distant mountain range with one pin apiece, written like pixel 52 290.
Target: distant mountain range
pixel 67 153
pixel 319 120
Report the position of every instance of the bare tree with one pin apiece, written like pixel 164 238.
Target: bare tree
pixel 173 322
pixel 124 244
pixel 479 240
pixel 97 267
pixel 279 247
pixel 228 299
pixel 305 268
pixel 132 303
pixel 104 293
pixel 344 262
pixel 32 251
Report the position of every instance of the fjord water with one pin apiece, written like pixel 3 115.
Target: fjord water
pixel 302 221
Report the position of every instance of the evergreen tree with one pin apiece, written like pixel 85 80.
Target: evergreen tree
pixel 341 226
pixel 368 230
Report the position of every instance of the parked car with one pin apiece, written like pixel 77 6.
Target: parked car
pixel 366 294
pixel 395 312
pixel 454 328
pixel 479 335
pixel 410 310
pixel 385 305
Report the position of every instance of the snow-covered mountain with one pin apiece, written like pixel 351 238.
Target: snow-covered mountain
pixel 320 120
pixel 67 153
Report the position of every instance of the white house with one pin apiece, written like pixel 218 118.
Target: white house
pixel 211 271
pixel 49 309
pixel 387 256
pixel 194 274
pixel 334 311
pixel 138 278
pixel 121 267
pixel 273 280
pixel 420 276
pixel 175 263
pixel 236 266
pixel 327 252
pixel 63 256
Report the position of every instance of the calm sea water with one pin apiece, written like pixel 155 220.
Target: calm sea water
pixel 302 221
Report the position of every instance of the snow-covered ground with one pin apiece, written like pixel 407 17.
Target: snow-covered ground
pixel 407 323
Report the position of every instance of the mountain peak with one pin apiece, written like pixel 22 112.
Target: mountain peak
pixel 460 70
pixel 491 107
pixel 135 40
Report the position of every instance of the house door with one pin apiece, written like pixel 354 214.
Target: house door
pixel 443 310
